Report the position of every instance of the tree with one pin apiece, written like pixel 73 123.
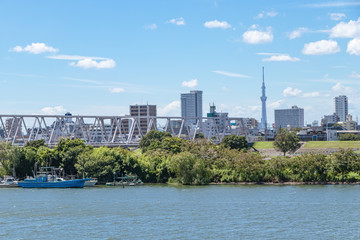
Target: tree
pixel 153 138
pixel 286 141
pixel 36 143
pixel 189 169
pixel 24 161
pixel 171 144
pixel 235 142
pixel 66 153
pixel 348 137
pixel 296 129
pixel 199 136
pixel 46 157
pixel 6 164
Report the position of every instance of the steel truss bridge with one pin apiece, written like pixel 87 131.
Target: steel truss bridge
pixel 113 131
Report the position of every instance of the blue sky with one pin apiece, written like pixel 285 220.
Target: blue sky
pixel 98 57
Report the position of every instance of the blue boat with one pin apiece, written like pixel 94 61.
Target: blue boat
pixel 47 178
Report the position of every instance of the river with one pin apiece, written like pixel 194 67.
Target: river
pixel 182 212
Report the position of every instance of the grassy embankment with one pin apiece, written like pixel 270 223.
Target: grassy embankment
pixel 315 144
pixel 263 145
pixel 332 144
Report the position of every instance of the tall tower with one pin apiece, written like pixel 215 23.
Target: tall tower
pixel 341 107
pixel 263 106
pixel 191 106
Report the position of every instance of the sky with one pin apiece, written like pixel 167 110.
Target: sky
pixel 98 57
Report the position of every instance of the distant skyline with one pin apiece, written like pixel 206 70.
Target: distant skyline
pixel 99 57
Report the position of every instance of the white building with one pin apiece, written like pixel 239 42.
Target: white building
pixel 191 106
pixel 341 107
pixel 330 119
pixel 216 123
pixel 289 118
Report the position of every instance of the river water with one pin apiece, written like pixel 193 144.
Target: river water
pixel 182 212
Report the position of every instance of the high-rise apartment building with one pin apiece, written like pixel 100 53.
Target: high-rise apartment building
pixel 144 112
pixel 341 107
pixel 191 106
pixel 293 117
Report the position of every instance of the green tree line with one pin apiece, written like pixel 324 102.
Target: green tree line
pixel 165 159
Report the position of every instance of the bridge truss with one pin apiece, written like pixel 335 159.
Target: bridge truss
pixel 113 131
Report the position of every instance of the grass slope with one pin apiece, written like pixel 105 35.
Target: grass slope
pixel 332 144
pixel 315 144
pixel 263 145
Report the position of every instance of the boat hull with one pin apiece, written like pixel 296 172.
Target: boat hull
pixel 8 186
pixel 77 183
pixel 90 183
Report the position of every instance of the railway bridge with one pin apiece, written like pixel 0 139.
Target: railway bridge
pixel 113 131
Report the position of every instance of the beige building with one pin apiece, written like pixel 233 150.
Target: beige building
pixel 144 113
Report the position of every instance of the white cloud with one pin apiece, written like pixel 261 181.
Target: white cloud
pixel 332 4
pixel 264 14
pixel 172 108
pixel 90 63
pixel 191 84
pixel 73 57
pixel 116 90
pixel 151 26
pixel 341 89
pixel 87 62
pixel 295 92
pixel 254 36
pixel 321 47
pixel 217 24
pixel 35 48
pixel 17 49
pixel 281 58
pixel 53 110
pixel 311 94
pixel 290 92
pixel 229 74
pixel 177 21
pixel 298 32
pixel 224 89
pixel 354 75
pixel 337 16
pixel 353 47
pixel 275 104
pixel 346 30
pixel 240 110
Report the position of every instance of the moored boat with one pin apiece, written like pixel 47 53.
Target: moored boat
pixel 8 181
pixel 47 178
pixel 91 182
pixel 128 180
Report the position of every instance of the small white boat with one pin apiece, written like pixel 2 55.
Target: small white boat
pixel 90 183
pixel 8 181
